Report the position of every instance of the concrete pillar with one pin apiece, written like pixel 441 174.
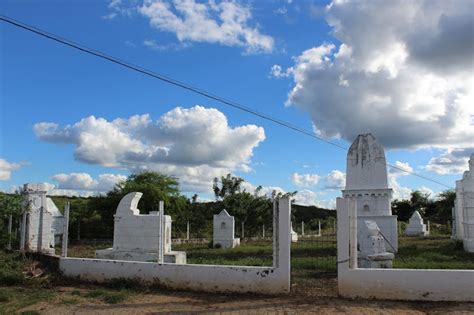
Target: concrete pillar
pixel 10 223
pixel 353 233
pixel 263 231
pixel 23 231
pixel 428 226
pixel 187 231
pixel 243 230
pixel 65 230
pixel 39 247
pixel 302 228
pixel 319 228
pixel 161 229
pixel 276 244
pixel 284 237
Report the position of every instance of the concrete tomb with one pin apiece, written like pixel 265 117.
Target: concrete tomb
pixel 224 230
pixel 416 227
pixel 141 237
pixel 464 208
pixel 366 181
pixel 294 235
pixel 372 252
pixel 42 224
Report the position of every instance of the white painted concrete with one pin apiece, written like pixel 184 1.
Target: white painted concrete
pixel 224 230
pixel 44 223
pixel 415 226
pixel 138 236
pixel 367 183
pixel 209 278
pixel 294 235
pixel 395 284
pixel 464 208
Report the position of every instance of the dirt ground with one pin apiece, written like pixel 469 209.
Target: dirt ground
pixel 304 300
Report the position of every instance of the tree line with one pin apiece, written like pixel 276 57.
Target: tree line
pixel 93 217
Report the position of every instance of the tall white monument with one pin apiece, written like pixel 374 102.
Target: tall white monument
pixel 141 237
pixel 224 229
pixel 464 208
pixel 42 223
pixel 366 181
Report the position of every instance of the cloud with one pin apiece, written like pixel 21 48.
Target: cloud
pixel 400 69
pixel 6 169
pixel 154 45
pixel 195 144
pixel 335 180
pixel 222 22
pixel 305 180
pixel 399 191
pixel 451 162
pixel 84 181
pixel 400 169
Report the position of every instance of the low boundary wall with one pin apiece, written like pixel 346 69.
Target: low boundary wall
pixel 395 284
pixel 211 278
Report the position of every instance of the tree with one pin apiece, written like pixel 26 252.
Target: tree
pixel 229 185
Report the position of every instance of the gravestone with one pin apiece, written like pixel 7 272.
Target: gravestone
pixel 366 181
pixel 372 251
pixel 294 235
pixel 137 237
pixel 415 226
pixel 43 225
pixel 464 208
pixel 224 231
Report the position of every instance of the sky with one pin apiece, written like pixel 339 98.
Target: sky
pixel 401 70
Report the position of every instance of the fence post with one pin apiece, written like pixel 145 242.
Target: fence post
pixel 187 230
pixel 161 230
pixel 276 244
pixel 429 227
pixel 23 231
pixel 243 230
pixel 319 228
pixel 263 231
pixel 302 228
pixel 65 230
pixel 353 233
pixel 10 223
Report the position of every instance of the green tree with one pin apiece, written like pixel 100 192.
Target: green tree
pixel 229 185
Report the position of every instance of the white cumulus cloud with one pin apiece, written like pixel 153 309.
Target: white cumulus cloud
pixel 451 162
pixel 222 22
pixel 84 181
pixel 401 70
pixel 6 169
pixel 194 144
pixel 305 180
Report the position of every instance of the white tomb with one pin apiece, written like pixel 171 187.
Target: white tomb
pixel 223 231
pixel 373 253
pixel 415 226
pixel 42 226
pixel 294 235
pixel 138 237
pixel 366 181
pixel 464 208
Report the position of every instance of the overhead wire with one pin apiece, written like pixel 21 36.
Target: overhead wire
pixel 187 86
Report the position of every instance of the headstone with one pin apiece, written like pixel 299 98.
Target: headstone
pixel 373 253
pixel 138 237
pixel 224 231
pixel 294 235
pixel 366 181
pixel 464 208
pixel 416 227
pixel 42 224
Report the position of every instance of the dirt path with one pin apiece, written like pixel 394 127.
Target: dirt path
pixel 201 303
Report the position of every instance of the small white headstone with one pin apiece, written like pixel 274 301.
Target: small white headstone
pixel 223 231
pixel 416 227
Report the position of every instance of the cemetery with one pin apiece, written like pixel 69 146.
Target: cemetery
pixel 367 253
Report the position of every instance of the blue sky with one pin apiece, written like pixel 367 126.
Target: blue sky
pixel 336 68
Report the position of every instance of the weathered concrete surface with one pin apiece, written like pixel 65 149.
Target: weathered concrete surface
pixel 464 208
pixel 367 183
pixel 395 284
pixel 137 236
pixel 195 277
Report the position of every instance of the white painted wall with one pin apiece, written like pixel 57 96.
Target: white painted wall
pixel 209 278
pixel 396 284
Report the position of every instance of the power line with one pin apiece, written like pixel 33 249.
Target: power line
pixel 183 85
